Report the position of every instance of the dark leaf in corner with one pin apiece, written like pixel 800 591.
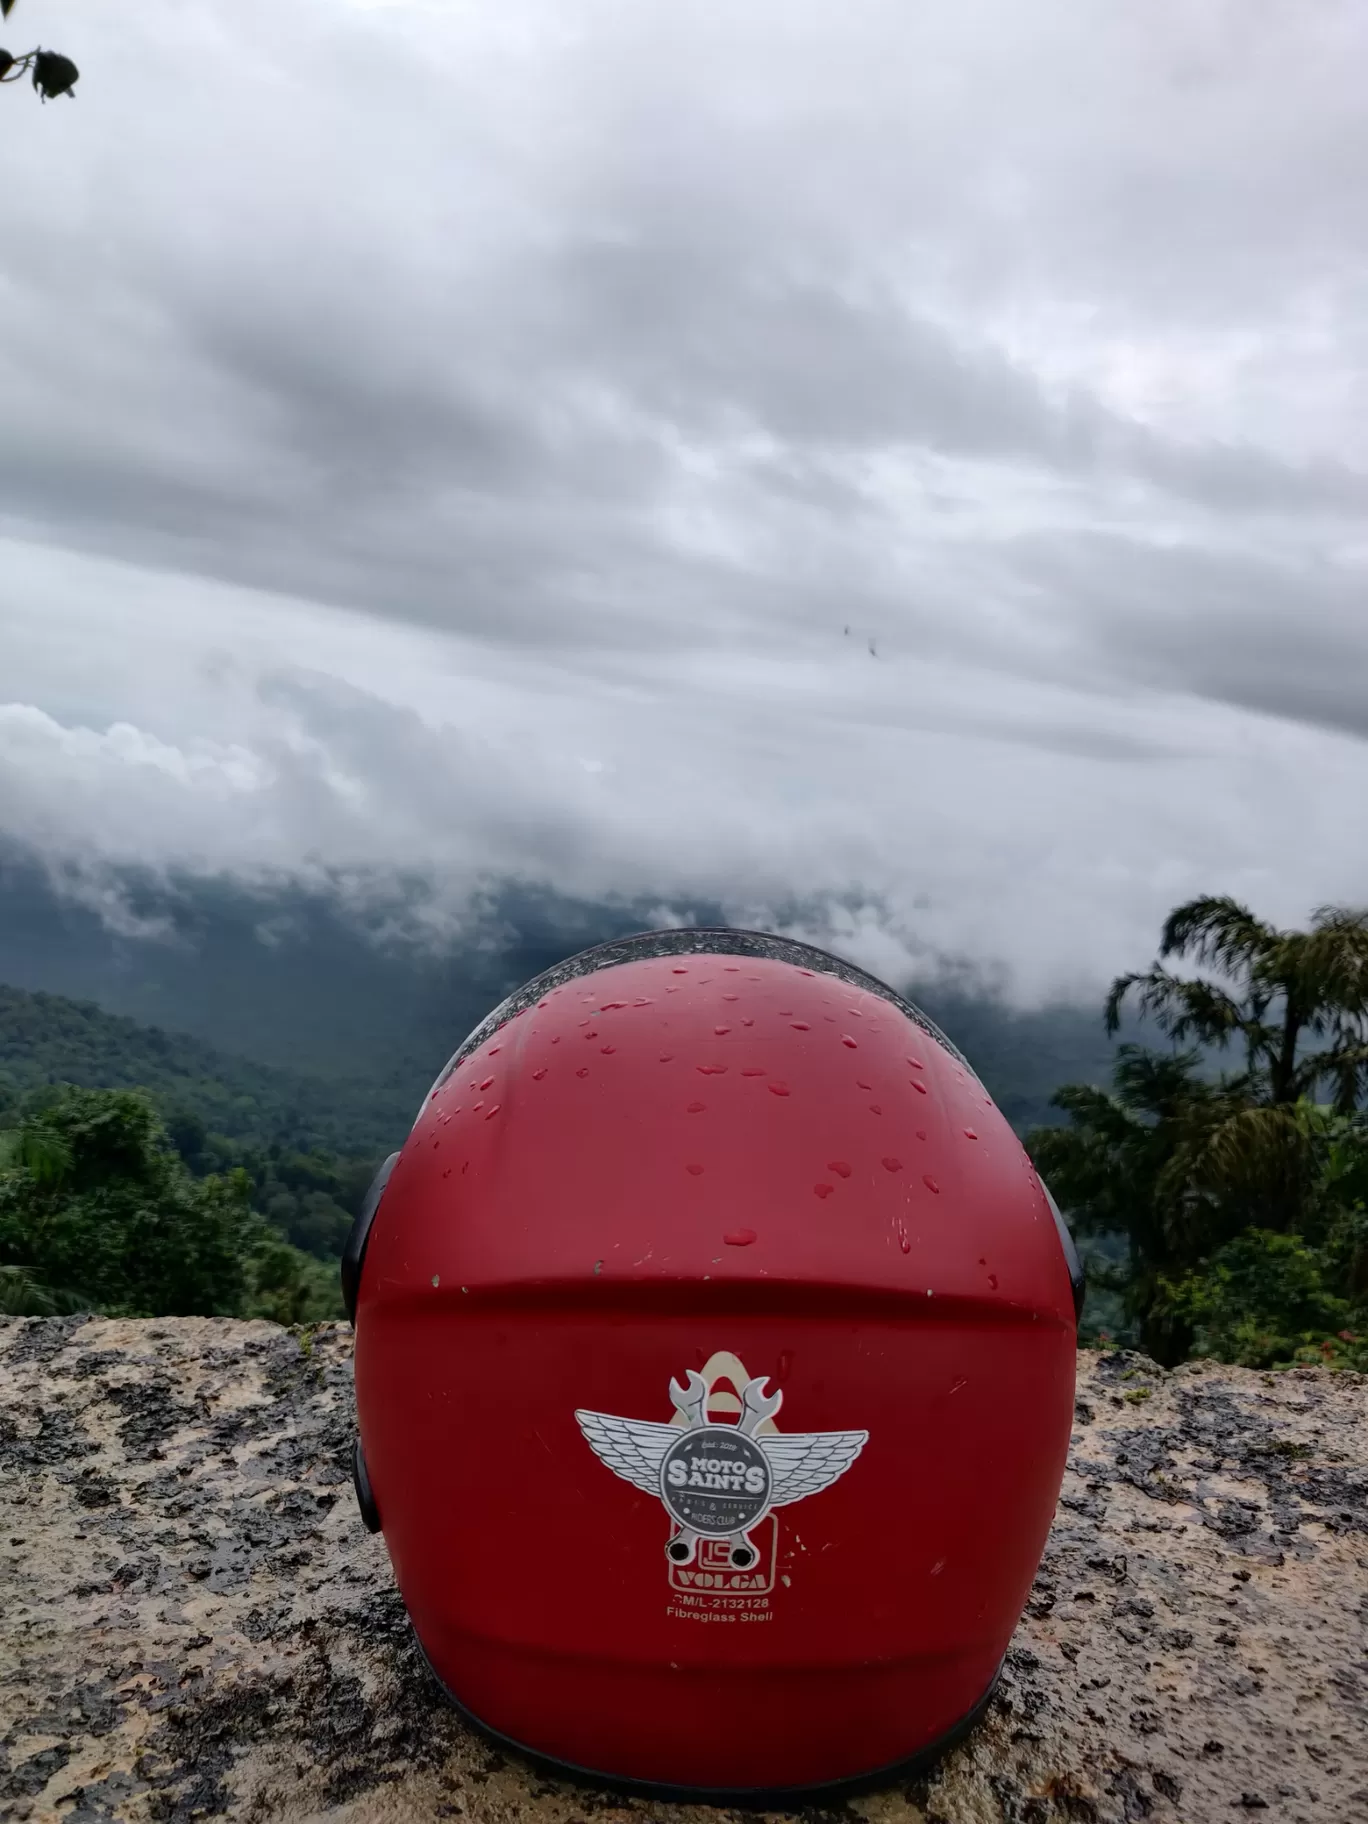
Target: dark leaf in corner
pixel 54 74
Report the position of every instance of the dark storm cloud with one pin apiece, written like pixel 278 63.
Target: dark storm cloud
pixel 332 373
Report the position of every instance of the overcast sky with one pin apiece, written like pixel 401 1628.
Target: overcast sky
pixel 915 454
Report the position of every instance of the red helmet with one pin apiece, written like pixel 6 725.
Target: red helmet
pixel 714 1370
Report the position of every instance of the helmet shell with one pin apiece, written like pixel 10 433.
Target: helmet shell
pixel 714 1366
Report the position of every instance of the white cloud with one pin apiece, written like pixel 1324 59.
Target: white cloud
pixel 458 437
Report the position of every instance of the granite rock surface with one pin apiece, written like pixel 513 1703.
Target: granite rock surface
pixel 193 1623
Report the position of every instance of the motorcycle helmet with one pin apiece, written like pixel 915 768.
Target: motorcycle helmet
pixel 714 1367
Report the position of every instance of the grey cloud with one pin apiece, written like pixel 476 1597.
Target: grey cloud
pixel 1276 636
pixel 334 396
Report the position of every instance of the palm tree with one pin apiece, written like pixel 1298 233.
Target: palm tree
pixel 1280 988
pixel 1180 1164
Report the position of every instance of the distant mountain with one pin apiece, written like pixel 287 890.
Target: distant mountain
pixel 45 1038
pixel 312 983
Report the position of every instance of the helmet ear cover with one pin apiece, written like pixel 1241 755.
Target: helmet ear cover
pixel 354 1253
pixel 1078 1273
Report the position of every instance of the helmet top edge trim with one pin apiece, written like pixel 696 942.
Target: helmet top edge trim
pixel 691 941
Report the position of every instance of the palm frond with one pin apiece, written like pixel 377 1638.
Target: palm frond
pixel 1218 931
pixel 21 1295
pixel 1156 1083
pixel 1326 969
pixel 37 1149
pixel 1181 1007
pixel 1344 1066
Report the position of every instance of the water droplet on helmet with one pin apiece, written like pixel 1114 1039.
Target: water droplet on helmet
pixel 711 1070
pixel 694 1171
pixel 916 1064
pixel 921 1133
pixel 667 1057
pixel 583 1071
pixel 969 1134
pixel 493 1111
pixel 753 1071
pixel 696 1108
pixel 920 1087
pixel 839 1166
pixel 874 1109
pixel 739 1238
pixel 930 1183
pixel 801 1026
pixel 778 1089
pixel 892 1165
pixel 823 1190
pixel 993 1281
pixel 860 1085
pixel 537 1075
pixel 607 1050
pixel 720 1032
pixel 849 1043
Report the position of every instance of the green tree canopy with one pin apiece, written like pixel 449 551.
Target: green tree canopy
pixel 97 1212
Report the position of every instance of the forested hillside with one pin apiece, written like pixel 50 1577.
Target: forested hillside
pixel 264 1169
pixel 45 1038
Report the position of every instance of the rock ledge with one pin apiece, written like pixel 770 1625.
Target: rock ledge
pixel 195 1624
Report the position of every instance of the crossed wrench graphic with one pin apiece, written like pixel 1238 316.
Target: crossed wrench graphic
pixel 756 1407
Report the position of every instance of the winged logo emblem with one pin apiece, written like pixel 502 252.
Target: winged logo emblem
pixel 720 1481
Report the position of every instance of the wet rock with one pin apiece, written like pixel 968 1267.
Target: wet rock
pixel 196 1624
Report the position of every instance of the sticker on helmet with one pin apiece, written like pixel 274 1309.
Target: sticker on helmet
pixel 719 1483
